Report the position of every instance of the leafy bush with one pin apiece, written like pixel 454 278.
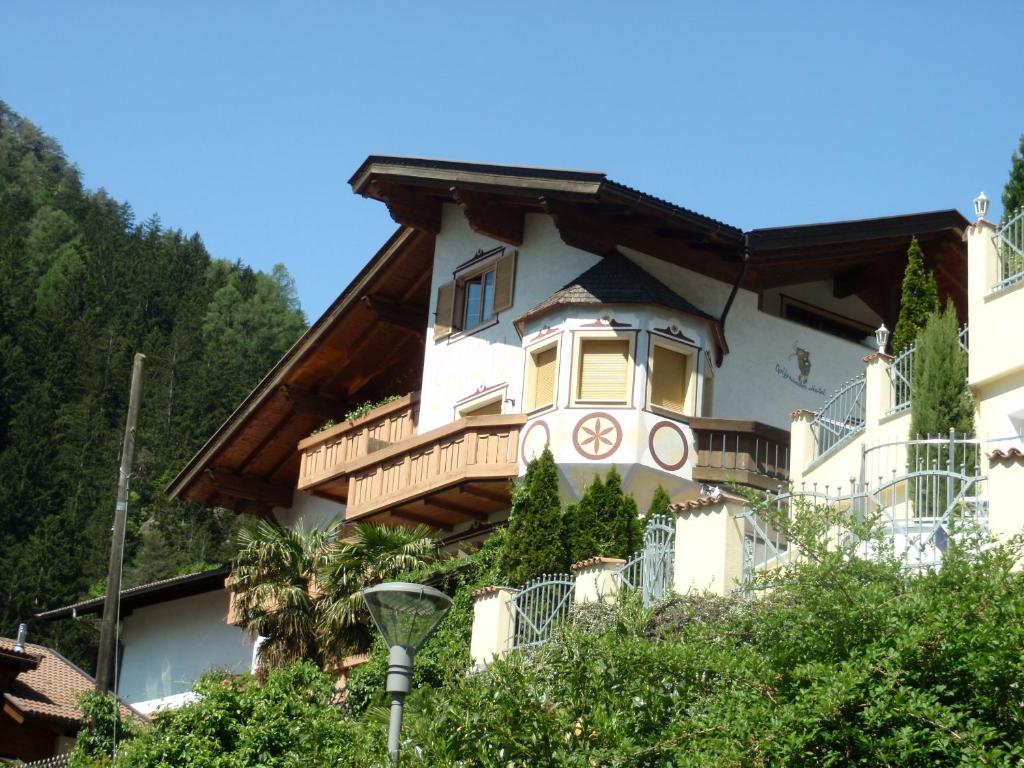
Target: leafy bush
pixel 104 728
pixel 289 720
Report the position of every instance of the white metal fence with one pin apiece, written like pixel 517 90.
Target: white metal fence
pixel 650 571
pixel 901 374
pixel 1009 242
pixel 841 418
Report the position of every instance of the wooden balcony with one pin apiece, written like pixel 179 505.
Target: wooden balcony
pixel 326 456
pixel 459 472
pixel 745 452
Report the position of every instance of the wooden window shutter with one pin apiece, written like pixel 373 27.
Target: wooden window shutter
pixel 443 318
pixel 603 370
pixel 545 375
pixel 668 379
pixel 504 282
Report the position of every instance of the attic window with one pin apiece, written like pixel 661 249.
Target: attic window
pixel 482 288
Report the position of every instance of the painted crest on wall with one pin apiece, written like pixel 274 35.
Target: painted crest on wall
pixel 801 373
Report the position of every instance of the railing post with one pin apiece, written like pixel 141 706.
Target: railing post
pixel 492 624
pixel 597 580
pixel 801 443
pixel 877 388
pixel 709 544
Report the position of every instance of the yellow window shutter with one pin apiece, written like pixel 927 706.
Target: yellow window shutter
pixel 443 319
pixel 668 379
pixel 603 370
pixel 545 375
pixel 504 281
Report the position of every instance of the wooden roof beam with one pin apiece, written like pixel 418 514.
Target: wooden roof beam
pixel 312 403
pixel 421 212
pixel 490 219
pixel 459 509
pixel 388 311
pixel 576 231
pixel 416 517
pixel 250 489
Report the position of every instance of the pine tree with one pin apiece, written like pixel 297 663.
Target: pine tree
pixel 659 503
pixel 1013 192
pixel 535 543
pixel 919 299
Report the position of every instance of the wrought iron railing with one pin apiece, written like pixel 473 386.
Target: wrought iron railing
pixel 917 510
pixel 901 374
pixel 650 571
pixel 1009 241
pixel 841 418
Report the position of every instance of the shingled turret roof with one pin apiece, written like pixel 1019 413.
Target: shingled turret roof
pixel 615 280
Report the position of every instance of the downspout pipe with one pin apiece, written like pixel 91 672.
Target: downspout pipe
pixel 735 289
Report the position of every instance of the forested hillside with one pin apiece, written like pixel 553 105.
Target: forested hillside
pixel 82 287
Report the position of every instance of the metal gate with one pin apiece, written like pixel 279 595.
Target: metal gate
pixel 651 570
pixel 539 607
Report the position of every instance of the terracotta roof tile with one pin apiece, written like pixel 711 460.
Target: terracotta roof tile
pixel 707 501
pixel 50 691
pixel 1009 453
pixel 590 561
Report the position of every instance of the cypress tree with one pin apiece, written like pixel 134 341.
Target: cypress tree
pixel 940 398
pixel 535 543
pixel 1013 192
pixel 604 523
pixel 659 504
pixel 920 299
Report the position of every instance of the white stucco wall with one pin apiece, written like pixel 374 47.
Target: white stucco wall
pixel 168 646
pixel 456 367
pixel 308 511
pixel 759 377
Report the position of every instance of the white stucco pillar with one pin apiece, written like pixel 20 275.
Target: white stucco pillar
pixel 492 624
pixel 597 580
pixel 1005 494
pixel 877 388
pixel 709 544
pixel 801 443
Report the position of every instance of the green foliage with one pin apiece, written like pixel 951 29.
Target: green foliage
pixel 919 299
pixel 1013 192
pixel 941 399
pixel 361 410
pixel 286 722
pixel 104 728
pixel 659 503
pixel 845 662
pixel 535 536
pixel 604 522
pixel 300 589
pixel 82 287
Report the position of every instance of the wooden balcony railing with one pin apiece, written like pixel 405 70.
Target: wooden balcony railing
pixel 745 452
pixel 326 455
pixel 455 473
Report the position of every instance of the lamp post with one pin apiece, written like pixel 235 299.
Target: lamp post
pixel 881 337
pixel 406 615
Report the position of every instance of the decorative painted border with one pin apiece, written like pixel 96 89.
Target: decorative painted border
pixel 654 454
pixel 598 415
pixel 526 434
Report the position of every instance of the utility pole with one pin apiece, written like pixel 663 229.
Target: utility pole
pixel 104 667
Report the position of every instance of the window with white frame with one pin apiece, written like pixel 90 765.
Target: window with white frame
pixel 603 368
pixel 672 377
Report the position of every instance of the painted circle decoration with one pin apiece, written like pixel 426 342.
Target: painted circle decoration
pixel 536 438
pixel 668 444
pixel 597 436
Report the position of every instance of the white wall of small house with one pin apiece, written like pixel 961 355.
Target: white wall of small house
pixel 308 511
pixel 463 364
pixel 169 646
pixel 760 378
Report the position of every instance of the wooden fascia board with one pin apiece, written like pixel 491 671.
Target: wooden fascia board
pixel 298 353
pixel 445 178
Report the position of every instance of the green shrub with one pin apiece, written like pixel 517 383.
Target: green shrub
pixel 604 522
pixel 536 542
pixel 103 729
pixel 919 299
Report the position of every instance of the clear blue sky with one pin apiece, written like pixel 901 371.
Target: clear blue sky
pixel 244 120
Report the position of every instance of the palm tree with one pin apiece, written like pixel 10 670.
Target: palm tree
pixel 300 589
pixel 369 554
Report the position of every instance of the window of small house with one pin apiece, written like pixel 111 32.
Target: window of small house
pixel 541 378
pixel 670 377
pixel 482 288
pixel 603 371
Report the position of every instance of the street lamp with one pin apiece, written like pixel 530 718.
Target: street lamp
pixel 881 336
pixel 406 615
